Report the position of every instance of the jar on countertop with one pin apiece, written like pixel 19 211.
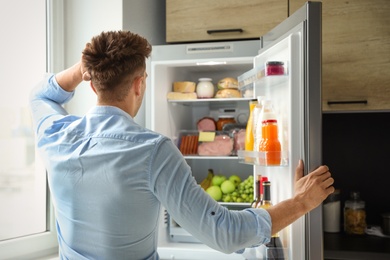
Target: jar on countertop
pixel 355 215
pixel 331 212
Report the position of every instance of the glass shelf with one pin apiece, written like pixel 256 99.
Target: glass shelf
pixel 272 80
pixel 258 158
pixel 235 205
pixel 199 157
pixel 207 101
pixel 258 77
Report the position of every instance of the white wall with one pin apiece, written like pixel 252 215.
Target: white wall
pixel 86 18
pixel 22 65
pixel 23 40
pixel 83 20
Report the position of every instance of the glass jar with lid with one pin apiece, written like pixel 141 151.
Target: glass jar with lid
pixel 224 119
pixel 354 215
pixel 205 88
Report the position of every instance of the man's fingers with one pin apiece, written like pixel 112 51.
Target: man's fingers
pixel 328 181
pixel 86 76
pixel 299 171
pixel 321 170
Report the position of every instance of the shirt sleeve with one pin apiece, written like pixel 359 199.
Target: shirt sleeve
pixel 193 209
pixel 46 101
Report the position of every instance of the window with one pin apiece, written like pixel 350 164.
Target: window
pixel 26 219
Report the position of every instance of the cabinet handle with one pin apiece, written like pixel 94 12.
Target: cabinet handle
pixel 342 102
pixel 225 31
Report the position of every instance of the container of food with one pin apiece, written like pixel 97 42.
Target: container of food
pixel 331 212
pixel 274 68
pixel 205 88
pixel 184 86
pixel 355 215
pixel 217 143
pixel 223 120
pixel 386 223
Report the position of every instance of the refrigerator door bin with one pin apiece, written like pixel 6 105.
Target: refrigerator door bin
pixel 258 158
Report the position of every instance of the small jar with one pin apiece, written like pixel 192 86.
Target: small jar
pixel 274 68
pixel 331 212
pixel 354 215
pixel 205 88
pixel 224 119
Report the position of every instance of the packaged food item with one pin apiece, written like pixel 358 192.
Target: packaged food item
pixel 205 88
pixel 239 139
pixel 269 145
pixel 257 123
pixel 223 120
pixel 274 68
pixel 228 93
pixel 228 82
pixel 206 124
pixel 249 139
pixel 222 145
pixel 355 215
pixel 184 86
pixel 181 96
pixel 189 143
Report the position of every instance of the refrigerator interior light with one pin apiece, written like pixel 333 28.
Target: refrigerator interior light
pixel 211 63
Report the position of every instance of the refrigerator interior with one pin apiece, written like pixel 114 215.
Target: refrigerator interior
pixel 172 117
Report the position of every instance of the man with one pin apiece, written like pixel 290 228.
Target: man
pixel 109 176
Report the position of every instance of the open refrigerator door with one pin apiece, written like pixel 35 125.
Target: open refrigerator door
pixel 295 93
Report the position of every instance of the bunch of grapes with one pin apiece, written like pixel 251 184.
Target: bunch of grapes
pixel 243 192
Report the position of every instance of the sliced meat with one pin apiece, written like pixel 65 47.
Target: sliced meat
pixel 222 146
pixel 207 124
pixel 239 139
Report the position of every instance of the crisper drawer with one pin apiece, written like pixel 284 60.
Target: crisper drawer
pixel 195 252
pixel 178 234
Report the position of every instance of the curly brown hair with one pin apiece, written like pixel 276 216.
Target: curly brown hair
pixel 114 59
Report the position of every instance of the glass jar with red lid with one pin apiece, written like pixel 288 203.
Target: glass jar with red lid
pixel 274 68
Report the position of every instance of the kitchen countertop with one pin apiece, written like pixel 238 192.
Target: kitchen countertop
pixel 356 247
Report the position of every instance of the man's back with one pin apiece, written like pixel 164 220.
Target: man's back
pixel 100 184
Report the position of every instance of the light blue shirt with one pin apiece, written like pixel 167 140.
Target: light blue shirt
pixel 109 178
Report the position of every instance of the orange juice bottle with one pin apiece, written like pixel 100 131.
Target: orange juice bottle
pixel 270 144
pixel 249 138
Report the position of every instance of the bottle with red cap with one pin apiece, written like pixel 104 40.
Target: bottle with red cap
pixel 269 144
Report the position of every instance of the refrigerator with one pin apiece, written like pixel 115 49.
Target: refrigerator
pixel 296 98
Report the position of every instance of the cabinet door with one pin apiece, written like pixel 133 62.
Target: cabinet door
pixel 204 20
pixel 355 54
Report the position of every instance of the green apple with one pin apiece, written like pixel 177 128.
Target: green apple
pixel 235 179
pixel 227 187
pixel 217 180
pixel 215 192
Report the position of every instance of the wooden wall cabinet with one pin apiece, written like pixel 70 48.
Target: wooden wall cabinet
pixel 355 54
pixel 204 20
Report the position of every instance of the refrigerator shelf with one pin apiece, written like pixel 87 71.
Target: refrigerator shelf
pixel 272 81
pixel 206 101
pixel 235 205
pixel 199 157
pixel 259 76
pixel 258 158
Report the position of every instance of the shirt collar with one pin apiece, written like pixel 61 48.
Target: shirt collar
pixel 109 110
